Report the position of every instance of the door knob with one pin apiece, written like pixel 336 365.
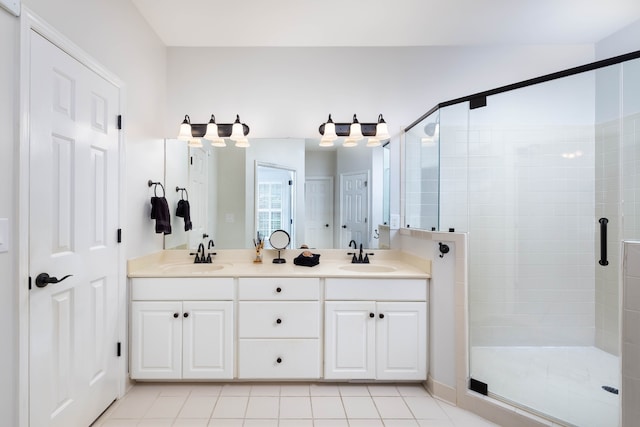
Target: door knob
pixel 43 279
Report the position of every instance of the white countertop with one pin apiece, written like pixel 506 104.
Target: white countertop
pixel 239 263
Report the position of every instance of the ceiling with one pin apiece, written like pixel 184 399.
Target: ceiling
pixel 385 22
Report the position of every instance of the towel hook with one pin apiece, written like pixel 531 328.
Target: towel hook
pixel 155 184
pixel 183 192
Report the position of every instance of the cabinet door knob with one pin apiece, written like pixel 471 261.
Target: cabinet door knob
pixel 381 316
pixel 279 360
pixel 371 315
pixel 278 321
pixel 186 315
pixel 278 289
pixel 175 315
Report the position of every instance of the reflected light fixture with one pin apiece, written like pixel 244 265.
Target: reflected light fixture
pixel 214 132
pixel 432 134
pixel 354 132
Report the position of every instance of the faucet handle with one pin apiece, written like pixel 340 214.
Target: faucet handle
pixel 354 259
pixel 366 257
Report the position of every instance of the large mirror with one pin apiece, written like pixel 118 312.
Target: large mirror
pixel 322 196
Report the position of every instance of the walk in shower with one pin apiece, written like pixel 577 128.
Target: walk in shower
pixel 544 176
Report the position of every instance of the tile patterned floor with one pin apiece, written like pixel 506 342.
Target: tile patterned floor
pixel 284 405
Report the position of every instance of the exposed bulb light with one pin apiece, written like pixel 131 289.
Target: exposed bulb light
pixel 185 129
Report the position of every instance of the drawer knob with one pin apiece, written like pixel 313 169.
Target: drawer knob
pixel 381 316
pixel 278 321
pixel 278 289
pixel 186 315
pixel 371 315
pixel 279 360
pixel 175 315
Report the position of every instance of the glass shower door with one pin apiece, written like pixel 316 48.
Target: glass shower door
pixel 532 185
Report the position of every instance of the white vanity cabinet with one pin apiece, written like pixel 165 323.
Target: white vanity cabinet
pixel 181 328
pixel 375 329
pixel 279 328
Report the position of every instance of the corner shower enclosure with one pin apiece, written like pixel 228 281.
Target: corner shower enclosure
pixel 544 176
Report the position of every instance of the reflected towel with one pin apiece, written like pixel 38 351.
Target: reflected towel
pixel 184 210
pixel 160 212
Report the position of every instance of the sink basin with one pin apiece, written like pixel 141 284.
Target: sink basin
pixel 368 268
pixel 191 269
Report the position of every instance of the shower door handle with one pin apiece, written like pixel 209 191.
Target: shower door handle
pixel 603 241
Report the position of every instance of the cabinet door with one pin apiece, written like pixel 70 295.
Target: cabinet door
pixel 156 340
pixel 349 340
pixel 207 339
pixel 401 340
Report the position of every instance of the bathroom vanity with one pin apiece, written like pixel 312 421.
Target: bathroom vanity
pixel 234 319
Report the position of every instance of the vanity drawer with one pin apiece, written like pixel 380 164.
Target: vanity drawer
pixel 259 319
pixel 278 288
pixel 180 288
pixel 279 359
pixel 376 289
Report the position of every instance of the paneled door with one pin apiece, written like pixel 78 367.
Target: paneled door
pixel 318 199
pixel 73 259
pixel 354 209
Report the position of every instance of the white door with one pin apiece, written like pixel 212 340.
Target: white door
pixel 319 212
pixel 73 225
pixel 207 332
pixel 349 340
pixel 199 196
pixel 354 209
pixel 401 341
pixel 156 340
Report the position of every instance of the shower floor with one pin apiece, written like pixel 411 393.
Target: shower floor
pixel 564 383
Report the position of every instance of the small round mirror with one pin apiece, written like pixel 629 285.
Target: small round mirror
pixel 279 240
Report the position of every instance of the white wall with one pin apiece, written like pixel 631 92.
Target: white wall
pixel 621 42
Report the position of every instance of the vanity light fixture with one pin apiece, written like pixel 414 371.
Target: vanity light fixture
pixel 214 132
pixel 354 132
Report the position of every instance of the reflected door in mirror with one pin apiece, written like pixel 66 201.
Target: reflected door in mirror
pixel 319 212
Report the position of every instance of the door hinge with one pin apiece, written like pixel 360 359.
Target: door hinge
pixel 366 183
pixel 29 282
pixel 119 125
pixel 119 349
pixel 290 182
pixel 191 160
pixel 119 235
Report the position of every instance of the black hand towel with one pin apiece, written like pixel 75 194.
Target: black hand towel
pixel 184 210
pixel 160 212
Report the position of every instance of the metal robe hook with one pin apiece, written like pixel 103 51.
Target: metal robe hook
pixel 444 249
